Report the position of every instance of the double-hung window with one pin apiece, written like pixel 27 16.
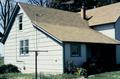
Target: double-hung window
pixel 20 21
pixel 24 47
pixel 75 50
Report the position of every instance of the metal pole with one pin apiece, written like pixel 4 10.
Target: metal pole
pixel 36 54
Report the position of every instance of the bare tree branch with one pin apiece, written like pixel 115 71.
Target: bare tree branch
pixel 38 2
pixel 2 9
pixel 1 25
pixel 5 8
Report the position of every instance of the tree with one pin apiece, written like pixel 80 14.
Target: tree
pixel 6 8
pixel 59 4
pixel 40 2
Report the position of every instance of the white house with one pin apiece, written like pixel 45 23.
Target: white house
pixel 106 20
pixel 65 36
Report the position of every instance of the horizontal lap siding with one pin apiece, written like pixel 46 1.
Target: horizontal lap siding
pixel 10 47
pixel 107 30
pixel 51 61
pixel 48 62
pixel 78 61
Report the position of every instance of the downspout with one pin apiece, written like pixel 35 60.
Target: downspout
pixel 63 57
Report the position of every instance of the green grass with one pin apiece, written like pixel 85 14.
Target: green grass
pixel 31 76
pixel 107 75
pixel 16 76
pixel 1 61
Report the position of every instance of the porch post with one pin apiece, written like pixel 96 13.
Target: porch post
pixel 84 52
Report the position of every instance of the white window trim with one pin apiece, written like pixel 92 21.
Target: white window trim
pixel 24 46
pixel 79 52
pixel 21 14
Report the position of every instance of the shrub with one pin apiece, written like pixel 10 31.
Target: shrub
pixel 1 61
pixel 8 69
pixel 94 67
pixel 81 72
pixel 70 67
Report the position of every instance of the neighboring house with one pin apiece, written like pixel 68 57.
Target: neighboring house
pixel 64 35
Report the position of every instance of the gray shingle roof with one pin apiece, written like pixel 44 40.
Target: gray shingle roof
pixel 106 14
pixel 66 26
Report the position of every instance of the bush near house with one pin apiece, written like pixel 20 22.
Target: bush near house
pixel 1 61
pixel 96 67
pixel 8 69
pixel 71 68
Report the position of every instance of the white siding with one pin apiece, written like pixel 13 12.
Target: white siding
pixel 48 62
pixel 77 60
pixel 107 30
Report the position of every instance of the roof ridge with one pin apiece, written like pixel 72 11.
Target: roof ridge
pixel 45 7
pixel 52 18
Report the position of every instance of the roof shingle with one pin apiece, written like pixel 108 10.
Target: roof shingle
pixel 106 14
pixel 66 26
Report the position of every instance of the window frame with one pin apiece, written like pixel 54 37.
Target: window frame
pixel 20 21
pixel 78 54
pixel 23 46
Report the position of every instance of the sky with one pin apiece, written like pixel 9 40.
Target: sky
pixel 1 45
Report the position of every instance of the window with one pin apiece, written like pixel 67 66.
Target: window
pixel 20 20
pixel 24 47
pixel 75 50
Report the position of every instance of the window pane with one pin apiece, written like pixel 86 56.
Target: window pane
pixel 26 43
pixel 24 47
pixel 20 18
pixel 26 50
pixel 21 50
pixel 21 47
pixel 21 43
pixel 75 50
pixel 20 26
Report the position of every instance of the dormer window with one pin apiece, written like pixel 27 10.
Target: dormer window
pixel 20 21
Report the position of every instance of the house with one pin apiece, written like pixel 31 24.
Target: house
pixel 65 36
pixel 106 20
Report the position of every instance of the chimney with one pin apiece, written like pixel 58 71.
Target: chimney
pixel 83 10
pixel 95 3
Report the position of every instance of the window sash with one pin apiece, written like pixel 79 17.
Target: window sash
pixel 24 47
pixel 20 21
pixel 75 50
pixel 20 18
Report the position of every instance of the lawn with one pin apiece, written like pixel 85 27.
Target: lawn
pixel 1 61
pixel 16 76
pixel 40 76
pixel 106 75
